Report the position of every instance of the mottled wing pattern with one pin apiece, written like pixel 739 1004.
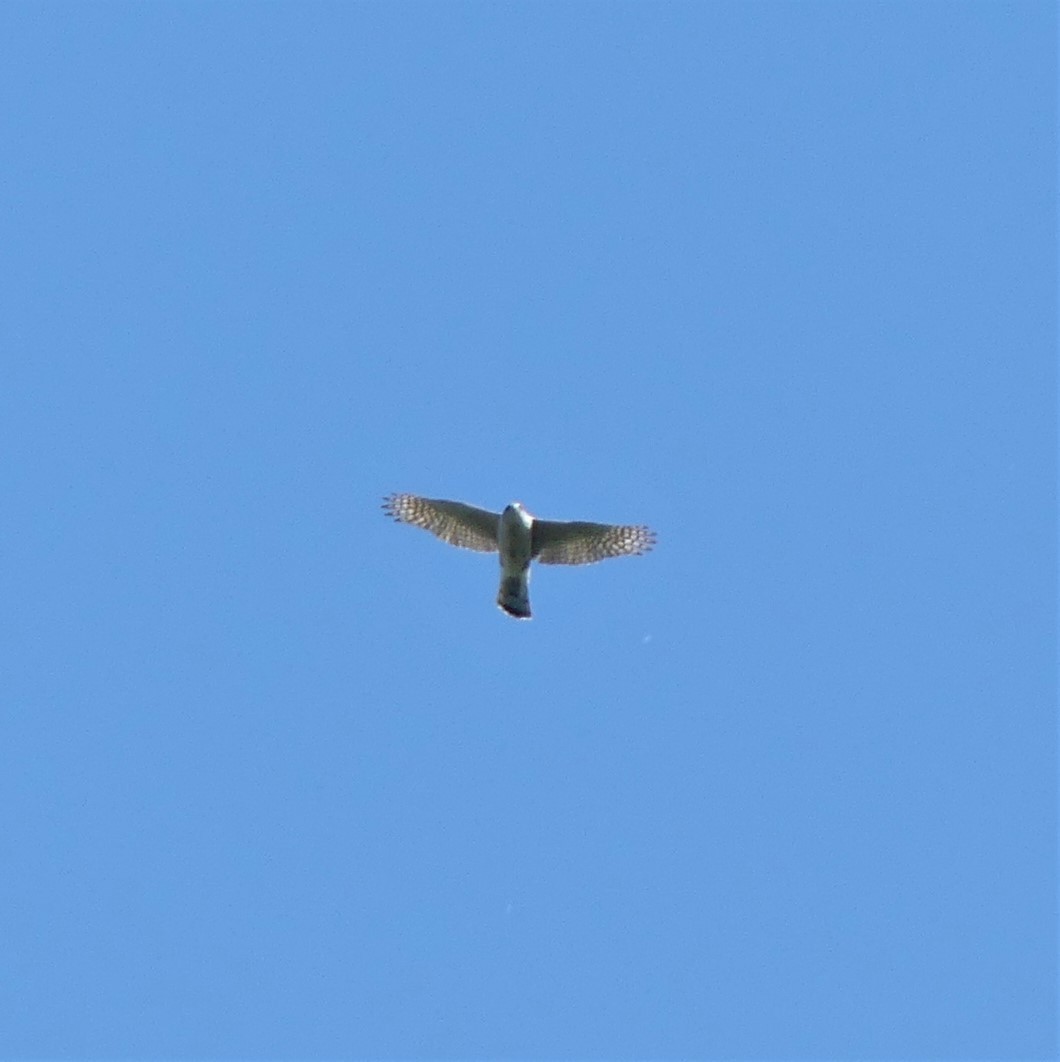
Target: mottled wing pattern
pixel 579 542
pixel 453 522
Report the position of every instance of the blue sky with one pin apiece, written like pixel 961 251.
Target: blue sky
pixel 277 779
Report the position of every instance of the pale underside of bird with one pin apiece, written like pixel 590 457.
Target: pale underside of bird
pixel 518 537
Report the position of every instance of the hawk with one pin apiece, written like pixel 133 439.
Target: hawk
pixel 519 538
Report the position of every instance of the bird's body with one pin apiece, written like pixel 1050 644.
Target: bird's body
pixel 515 545
pixel 518 538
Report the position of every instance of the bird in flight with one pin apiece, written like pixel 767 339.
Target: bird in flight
pixel 519 538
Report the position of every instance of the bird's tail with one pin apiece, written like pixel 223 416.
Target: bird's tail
pixel 514 596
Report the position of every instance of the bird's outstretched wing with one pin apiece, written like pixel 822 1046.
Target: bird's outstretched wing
pixel 578 542
pixel 453 522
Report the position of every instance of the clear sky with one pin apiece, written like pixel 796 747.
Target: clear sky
pixel 276 776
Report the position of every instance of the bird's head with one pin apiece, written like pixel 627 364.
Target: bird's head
pixel 518 509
